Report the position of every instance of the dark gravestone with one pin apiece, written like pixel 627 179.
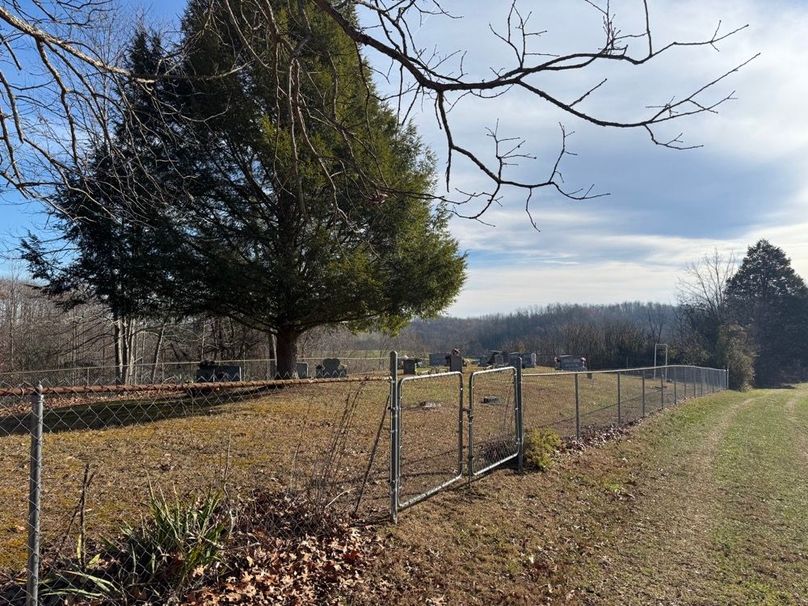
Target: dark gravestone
pixel 437 359
pixel 455 362
pixel 331 369
pixel 302 370
pixel 410 364
pixel 209 372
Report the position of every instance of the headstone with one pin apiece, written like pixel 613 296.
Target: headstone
pixel 302 370
pixel 483 361
pixel 455 361
pixel 331 369
pixel 437 359
pixel 410 364
pixel 210 372
pixel 528 359
pixel 499 359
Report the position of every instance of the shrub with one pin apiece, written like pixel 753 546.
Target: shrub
pixel 736 353
pixel 540 445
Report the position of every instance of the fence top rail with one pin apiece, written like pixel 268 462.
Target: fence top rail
pixel 24 390
pixel 436 375
pixel 487 371
pixel 615 370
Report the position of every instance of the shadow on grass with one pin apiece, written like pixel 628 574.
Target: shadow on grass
pixel 103 414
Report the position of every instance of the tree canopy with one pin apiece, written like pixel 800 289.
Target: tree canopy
pixel 275 221
pixel 768 298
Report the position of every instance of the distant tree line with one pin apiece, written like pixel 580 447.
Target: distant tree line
pixel 36 332
pixel 610 336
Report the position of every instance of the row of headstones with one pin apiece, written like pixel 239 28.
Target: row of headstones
pixel 331 368
pixel 529 360
pixel 453 360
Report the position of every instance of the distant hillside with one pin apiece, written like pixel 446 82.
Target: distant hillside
pixel 610 335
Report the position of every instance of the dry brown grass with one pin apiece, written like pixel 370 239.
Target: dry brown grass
pixel 317 438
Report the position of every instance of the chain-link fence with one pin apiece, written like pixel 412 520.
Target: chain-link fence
pixel 82 467
pixel 578 404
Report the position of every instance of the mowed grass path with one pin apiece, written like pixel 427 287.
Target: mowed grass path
pixel 703 504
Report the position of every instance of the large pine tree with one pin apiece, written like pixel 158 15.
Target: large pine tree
pixel 221 199
pixel 770 300
pixel 107 253
pixel 291 223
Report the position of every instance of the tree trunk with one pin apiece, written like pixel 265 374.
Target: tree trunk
pixel 117 337
pixel 286 365
pixel 157 347
pixel 131 350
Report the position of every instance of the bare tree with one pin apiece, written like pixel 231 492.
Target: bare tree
pixel 703 286
pixel 61 70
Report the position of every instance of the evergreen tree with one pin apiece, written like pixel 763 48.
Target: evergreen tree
pixel 111 255
pixel 769 299
pixel 290 224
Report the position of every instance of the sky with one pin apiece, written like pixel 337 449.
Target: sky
pixel 664 208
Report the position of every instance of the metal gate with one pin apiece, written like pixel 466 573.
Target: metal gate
pixel 494 419
pixel 429 422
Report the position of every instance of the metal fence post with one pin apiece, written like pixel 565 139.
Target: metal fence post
pixel 675 396
pixel 520 415
pixel 34 496
pixel 395 438
pixel 643 393
pixel 577 410
pixel 619 401
pixel 661 391
pixel 463 397
pixel 470 420
pixel 691 379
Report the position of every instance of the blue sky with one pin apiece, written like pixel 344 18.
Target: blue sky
pixel 665 208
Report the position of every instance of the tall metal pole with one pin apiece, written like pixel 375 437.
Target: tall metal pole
pixel 395 408
pixel 470 420
pixel 619 401
pixel 34 496
pixel 460 414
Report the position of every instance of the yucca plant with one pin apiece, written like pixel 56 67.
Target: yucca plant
pixel 179 541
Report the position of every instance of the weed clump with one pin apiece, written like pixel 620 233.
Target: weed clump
pixel 154 562
pixel 266 547
pixel 540 445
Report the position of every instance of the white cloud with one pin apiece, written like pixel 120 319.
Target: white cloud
pixel 609 248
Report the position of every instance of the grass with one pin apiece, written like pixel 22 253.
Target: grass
pixel 313 437
pixel 704 504
pixel 274 441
